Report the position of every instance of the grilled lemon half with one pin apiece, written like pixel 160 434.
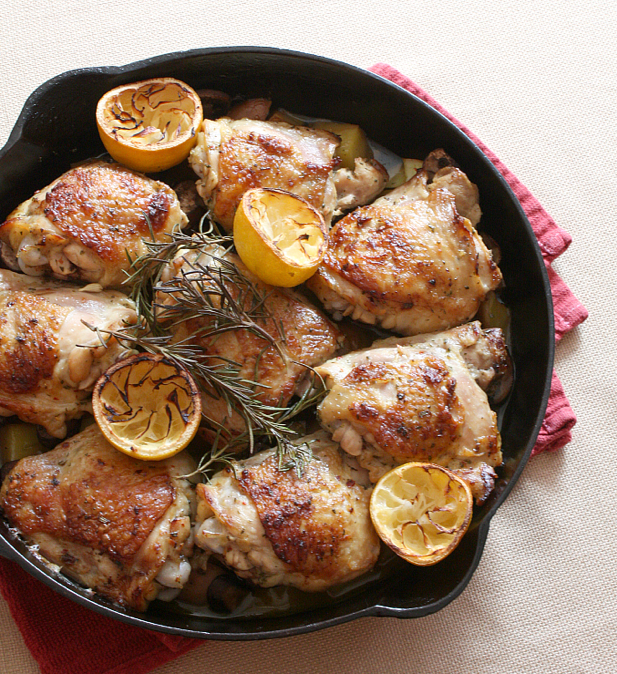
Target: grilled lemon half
pixel 147 406
pixel 421 511
pixel 280 237
pixel 149 126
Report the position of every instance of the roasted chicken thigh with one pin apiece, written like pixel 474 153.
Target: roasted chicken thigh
pixel 234 155
pixel 420 399
pixel 88 223
pixel 49 359
pixel 290 338
pixel 118 525
pixel 279 528
pixel 412 261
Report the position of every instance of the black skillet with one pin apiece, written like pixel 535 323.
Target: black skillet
pixel 57 127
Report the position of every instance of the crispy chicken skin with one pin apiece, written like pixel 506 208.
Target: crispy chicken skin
pixel 233 156
pixel 49 360
pixel 305 337
pixel 411 262
pixel 115 524
pixel 277 528
pixel 420 399
pixel 83 225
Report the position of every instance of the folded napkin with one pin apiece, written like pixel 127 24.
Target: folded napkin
pixel 65 638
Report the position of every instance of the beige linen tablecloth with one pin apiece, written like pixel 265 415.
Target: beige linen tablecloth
pixel 536 82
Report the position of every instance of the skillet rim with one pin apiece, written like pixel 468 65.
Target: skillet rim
pixel 64 587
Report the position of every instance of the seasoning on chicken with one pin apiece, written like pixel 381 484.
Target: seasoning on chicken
pixel 115 524
pixel 297 336
pixel 88 222
pixel 279 528
pixel 420 399
pixel 412 261
pixel 234 155
pixel 50 360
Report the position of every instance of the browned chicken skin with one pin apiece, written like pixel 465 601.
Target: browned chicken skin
pixel 411 261
pixel 118 525
pixel 50 360
pixel 277 528
pixel 419 399
pixel 305 338
pixel 233 156
pixel 83 225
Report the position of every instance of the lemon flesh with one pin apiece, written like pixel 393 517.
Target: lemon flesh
pixel 279 237
pixel 147 407
pixel 421 511
pixel 150 126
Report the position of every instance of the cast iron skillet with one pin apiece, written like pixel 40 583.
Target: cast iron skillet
pixel 57 127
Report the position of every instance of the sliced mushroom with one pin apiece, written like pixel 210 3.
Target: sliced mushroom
pixel 215 103
pixel 437 160
pixel 7 255
pixel 493 246
pixel 213 585
pixel 226 593
pixel 253 108
pixel 190 201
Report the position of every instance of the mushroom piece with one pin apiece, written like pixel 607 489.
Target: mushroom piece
pixel 215 103
pixel 190 202
pixel 226 593
pixel 213 585
pixel 253 108
pixel 436 160
pixel 8 257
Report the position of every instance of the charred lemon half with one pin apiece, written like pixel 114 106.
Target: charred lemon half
pixel 150 126
pixel 280 237
pixel 147 406
pixel 421 511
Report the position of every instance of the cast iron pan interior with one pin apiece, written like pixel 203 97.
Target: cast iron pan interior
pixel 57 128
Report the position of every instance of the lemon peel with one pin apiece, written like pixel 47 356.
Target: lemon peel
pixel 147 406
pixel 149 126
pixel 421 511
pixel 280 237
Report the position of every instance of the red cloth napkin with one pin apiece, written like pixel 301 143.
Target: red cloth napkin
pixel 65 638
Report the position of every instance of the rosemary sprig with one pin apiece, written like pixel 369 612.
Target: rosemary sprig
pixel 207 297
pixel 145 271
pixel 210 460
pixel 223 380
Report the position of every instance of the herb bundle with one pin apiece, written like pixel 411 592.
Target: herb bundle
pixel 203 295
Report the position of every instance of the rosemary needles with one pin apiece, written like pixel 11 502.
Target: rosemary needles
pixel 200 309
